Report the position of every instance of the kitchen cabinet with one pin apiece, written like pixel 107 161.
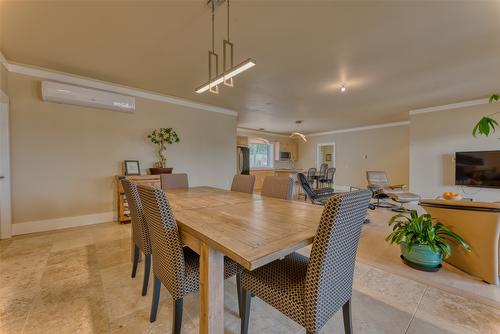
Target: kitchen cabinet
pixel 286 146
pixel 242 141
pixel 260 175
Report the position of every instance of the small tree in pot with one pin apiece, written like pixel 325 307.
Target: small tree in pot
pixel 162 137
pixel 424 242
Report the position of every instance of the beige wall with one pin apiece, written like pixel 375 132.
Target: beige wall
pixel 64 157
pixel 356 152
pixel 435 137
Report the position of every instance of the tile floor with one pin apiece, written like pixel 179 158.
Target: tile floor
pixel 78 281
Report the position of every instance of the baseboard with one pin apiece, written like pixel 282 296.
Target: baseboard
pixel 60 223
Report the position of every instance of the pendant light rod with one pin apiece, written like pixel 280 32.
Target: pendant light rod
pixel 228 70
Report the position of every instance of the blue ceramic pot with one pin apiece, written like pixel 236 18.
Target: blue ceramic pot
pixel 421 255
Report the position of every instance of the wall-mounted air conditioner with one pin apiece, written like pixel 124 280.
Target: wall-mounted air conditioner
pixel 69 94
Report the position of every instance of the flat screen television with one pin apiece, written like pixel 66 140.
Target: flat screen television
pixel 478 169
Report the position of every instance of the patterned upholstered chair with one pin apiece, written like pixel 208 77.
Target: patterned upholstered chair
pixel 140 234
pixel 310 291
pixel 174 266
pixel 277 186
pixel 174 181
pixel 243 183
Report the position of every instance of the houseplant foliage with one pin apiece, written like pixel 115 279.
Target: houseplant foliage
pixel 162 137
pixel 423 240
pixel 487 124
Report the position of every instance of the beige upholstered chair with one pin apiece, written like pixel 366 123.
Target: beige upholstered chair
pixel 140 234
pixel 174 181
pixel 243 183
pixel 310 291
pixel 479 224
pixel 277 186
pixel 174 266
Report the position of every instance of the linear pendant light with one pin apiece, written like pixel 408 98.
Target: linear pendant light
pixel 227 75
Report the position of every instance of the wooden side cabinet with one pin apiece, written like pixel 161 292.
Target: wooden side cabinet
pixel 122 207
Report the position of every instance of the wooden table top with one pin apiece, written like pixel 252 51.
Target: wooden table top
pixel 250 229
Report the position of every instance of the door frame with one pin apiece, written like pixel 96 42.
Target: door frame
pixel 334 160
pixel 5 183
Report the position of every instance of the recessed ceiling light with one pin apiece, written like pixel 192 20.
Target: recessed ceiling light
pixel 343 88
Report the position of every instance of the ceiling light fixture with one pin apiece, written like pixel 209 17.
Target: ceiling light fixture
pixel 298 134
pixel 229 70
pixel 343 88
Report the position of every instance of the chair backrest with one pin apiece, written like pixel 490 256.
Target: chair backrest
pixel 306 186
pixel 277 186
pixel 168 256
pixel 331 265
pixel 140 233
pixel 377 179
pixel 243 183
pixel 174 181
pixel 330 172
pixel 322 170
pixel 311 172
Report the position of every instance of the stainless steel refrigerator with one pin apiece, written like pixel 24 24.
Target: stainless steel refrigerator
pixel 243 155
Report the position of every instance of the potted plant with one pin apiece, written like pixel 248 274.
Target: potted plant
pixel 487 124
pixel 161 137
pixel 424 241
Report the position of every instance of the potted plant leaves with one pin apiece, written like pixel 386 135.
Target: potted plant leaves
pixel 161 137
pixel 424 242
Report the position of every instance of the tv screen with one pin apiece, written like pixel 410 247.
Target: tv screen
pixel 478 169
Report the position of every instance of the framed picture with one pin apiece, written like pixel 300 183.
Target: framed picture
pixel 132 167
pixel 328 157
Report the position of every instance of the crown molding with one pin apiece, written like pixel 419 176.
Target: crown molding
pixel 110 87
pixel 258 132
pixel 458 105
pixel 361 128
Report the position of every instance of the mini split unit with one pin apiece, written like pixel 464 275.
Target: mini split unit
pixel 69 94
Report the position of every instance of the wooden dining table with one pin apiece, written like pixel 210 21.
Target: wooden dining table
pixel 250 229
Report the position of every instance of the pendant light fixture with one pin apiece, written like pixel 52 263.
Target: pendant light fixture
pixel 297 134
pixel 229 70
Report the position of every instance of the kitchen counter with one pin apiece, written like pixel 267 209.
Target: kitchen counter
pixel 291 171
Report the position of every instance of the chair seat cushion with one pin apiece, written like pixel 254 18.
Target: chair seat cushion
pixel 192 270
pixel 404 197
pixel 281 284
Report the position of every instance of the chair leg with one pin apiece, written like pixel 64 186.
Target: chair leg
pixel 238 288
pixel 346 312
pixel 137 254
pixel 156 299
pixel 245 318
pixel 177 316
pixel 147 269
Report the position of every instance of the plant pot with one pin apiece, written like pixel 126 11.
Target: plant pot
pixel 422 257
pixel 158 171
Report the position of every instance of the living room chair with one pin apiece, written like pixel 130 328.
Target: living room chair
pixel 382 190
pixel 140 233
pixel 174 266
pixel 311 290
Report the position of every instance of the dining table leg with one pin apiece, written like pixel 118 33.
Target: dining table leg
pixel 211 290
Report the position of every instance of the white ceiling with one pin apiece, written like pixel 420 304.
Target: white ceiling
pixel 393 56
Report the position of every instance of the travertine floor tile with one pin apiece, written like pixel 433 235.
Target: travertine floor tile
pixel 456 314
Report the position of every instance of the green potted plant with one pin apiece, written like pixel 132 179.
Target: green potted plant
pixel 424 241
pixel 487 124
pixel 162 137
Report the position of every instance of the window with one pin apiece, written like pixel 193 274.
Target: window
pixel 261 155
